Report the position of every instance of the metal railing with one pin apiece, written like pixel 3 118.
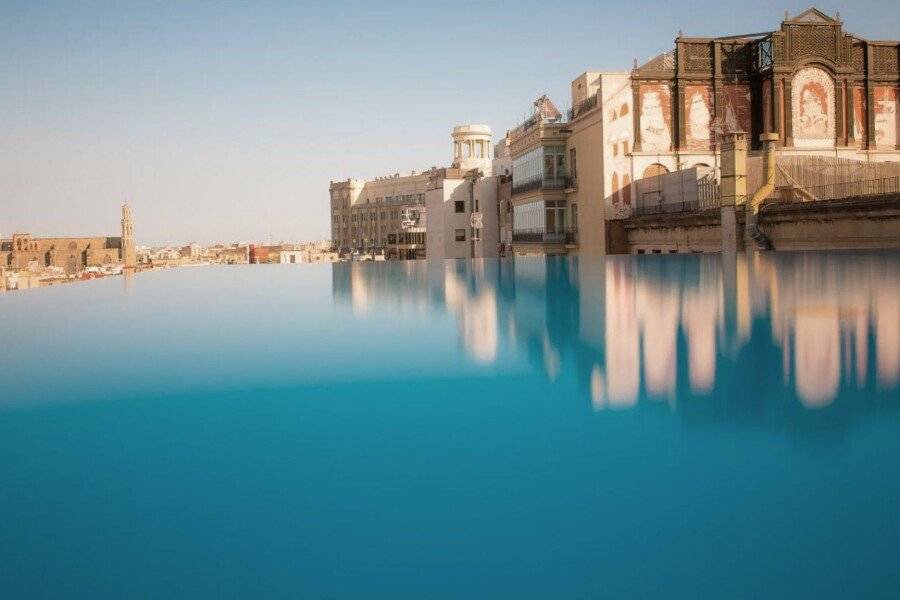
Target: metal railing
pixel 585 105
pixel 539 236
pixel 855 189
pixel 708 194
pixel 659 207
pixel 536 184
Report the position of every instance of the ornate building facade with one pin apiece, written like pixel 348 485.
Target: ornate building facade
pixel 824 91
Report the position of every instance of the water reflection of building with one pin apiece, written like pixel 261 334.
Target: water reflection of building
pixel 749 334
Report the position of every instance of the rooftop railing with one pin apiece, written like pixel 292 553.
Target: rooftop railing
pixel 587 104
pixel 855 189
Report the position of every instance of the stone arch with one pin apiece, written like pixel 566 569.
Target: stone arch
pixel 654 170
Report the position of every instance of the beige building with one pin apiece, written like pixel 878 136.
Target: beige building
pixel 389 216
pixel 368 216
pixel 543 222
pixel 72 255
pixel 822 91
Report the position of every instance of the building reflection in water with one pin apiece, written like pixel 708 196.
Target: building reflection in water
pixel 802 327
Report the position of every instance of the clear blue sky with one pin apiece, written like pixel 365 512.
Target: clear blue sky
pixel 226 121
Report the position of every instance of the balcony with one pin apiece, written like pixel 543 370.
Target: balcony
pixel 539 184
pixel 539 236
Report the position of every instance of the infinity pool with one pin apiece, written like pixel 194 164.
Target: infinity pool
pixel 657 426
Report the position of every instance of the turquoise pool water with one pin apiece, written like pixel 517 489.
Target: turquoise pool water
pixel 659 426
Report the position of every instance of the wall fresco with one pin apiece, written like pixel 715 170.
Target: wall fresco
pixel 736 101
pixel 812 108
pixel 656 118
pixel 697 117
pixel 886 123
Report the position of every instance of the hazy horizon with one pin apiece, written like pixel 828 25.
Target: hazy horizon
pixel 223 122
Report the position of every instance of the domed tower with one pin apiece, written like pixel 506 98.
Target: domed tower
pixel 472 147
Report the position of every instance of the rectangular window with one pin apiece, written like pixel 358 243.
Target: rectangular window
pixel 573 163
pixel 460 235
pixel 460 206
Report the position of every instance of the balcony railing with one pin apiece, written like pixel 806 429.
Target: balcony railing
pixel 540 236
pixel 538 184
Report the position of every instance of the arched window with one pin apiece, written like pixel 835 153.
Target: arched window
pixel 626 189
pixel 623 110
pixel 615 188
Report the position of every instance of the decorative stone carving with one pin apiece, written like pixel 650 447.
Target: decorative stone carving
pixel 812 108
pixel 698 57
pixel 885 59
pixel 813 40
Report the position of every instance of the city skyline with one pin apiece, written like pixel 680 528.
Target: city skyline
pixel 222 124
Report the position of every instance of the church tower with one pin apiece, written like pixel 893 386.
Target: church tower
pixel 129 255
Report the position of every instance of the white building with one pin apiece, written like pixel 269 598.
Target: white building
pixel 461 201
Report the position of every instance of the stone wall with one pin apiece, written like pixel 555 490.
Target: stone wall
pixel 840 224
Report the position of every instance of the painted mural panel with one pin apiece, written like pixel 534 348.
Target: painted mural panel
pixel 656 118
pixel 697 115
pixel 736 100
pixel 886 122
pixel 859 116
pixel 812 108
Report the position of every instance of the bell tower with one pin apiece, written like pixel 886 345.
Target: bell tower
pixel 129 256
